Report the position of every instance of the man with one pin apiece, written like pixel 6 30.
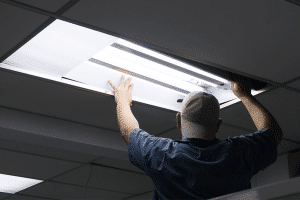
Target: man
pixel 200 166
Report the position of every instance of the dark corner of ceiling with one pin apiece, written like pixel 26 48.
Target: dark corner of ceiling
pixel 296 2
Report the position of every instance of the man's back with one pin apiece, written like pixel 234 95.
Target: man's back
pixel 201 169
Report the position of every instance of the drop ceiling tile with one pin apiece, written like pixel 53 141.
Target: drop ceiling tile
pixel 49 102
pixel 50 97
pixel 283 104
pixel 23 197
pixel 4 195
pixel 154 120
pixel 110 179
pixel 49 5
pixel 287 146
pixel 264 43
pixel 46 151
pixel 17 23
pixel 90 112
pixel 103 194
pixel 147 196
pixel 66 191
pixel 35 167
pixel 288 197
pixel 295 84
pixel 118 163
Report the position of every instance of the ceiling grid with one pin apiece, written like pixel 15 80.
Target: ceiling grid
pixel 95 161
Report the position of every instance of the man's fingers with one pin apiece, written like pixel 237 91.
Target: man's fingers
pixel 112 85
pixel 127 82
pixel 121 83
pixel 122 80
pixel 130 87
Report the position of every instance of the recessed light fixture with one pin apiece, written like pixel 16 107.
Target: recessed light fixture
pixel 12 184
pixel 87 59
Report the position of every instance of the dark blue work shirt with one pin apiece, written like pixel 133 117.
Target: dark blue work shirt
pixel 194 168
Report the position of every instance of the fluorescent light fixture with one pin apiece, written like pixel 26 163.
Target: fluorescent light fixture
pixel 12 184
pixel 171 63
pixel 85 58
pixel 59 48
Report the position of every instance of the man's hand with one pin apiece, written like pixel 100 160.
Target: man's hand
pixel 123 94
pixel 240 89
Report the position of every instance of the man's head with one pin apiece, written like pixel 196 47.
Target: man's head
pixel 199 117
pixel 191 130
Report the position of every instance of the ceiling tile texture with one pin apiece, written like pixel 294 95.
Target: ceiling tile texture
pixel 255 37
pixel 48 5
pixel 16 24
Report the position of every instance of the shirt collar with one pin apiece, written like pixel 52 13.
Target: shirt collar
pixel 201 141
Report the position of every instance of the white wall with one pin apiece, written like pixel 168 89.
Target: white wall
pixel 276 172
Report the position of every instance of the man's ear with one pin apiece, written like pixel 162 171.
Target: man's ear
pixel 178 121
pixel 219 123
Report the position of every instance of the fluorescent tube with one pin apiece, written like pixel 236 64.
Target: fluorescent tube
pixel 140 66
pixel 170 60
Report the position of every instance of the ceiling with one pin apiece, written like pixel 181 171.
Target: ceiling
pixel 76 131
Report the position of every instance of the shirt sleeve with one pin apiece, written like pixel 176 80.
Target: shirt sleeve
pixel 147 151
pixel 256 151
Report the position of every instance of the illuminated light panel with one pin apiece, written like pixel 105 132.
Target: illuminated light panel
pixel 169 60
pixel 12 184
pixel 64 52
pixel 140 66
